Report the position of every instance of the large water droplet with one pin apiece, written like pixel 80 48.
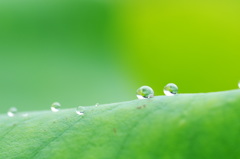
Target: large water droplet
pixel 55 107
pixel 12 112
pixel 80 110
pixel 145 92
pixel 170 89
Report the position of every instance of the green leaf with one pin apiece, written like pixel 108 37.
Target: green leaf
pixel 185 126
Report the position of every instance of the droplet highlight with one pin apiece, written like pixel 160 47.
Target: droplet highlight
pixel 239 84
pixel 97 104
pixel 55 107
pixel 12 112
pixel 145 92
pixel 80 110
pixel 170 89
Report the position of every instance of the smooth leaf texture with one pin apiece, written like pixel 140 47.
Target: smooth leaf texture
pixel 185 126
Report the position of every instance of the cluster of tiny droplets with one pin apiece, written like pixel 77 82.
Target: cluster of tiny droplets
pixel 55 107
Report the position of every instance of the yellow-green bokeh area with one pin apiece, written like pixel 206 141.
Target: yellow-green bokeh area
pixel 84 52
pixel 194 44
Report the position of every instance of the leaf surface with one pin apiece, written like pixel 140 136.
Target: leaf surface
pixel 185 126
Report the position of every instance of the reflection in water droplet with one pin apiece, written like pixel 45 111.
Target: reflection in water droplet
pixel 170 89
pixel 12 112
pixel 145 92
pixel 55 107
pixel 80 110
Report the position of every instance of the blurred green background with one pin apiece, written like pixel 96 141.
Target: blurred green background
pixel 101 51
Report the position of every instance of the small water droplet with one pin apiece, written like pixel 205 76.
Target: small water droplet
pixel 80 110
pixel 55 107
pixel 12 112
pixel 145 92
pixel 25 115
pixel 170 89
pixel 97 104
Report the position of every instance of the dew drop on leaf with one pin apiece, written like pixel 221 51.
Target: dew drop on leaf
pixel 145 92
pixel 12 112
pixel 55 107
pixel 80 110
pixel 170 89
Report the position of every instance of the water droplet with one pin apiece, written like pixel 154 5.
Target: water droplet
pixel 80 110
pixel 170 89
pixel 145 92
pixel 97 104
pixel 12 112
pixel 55 107
pixel 239 84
